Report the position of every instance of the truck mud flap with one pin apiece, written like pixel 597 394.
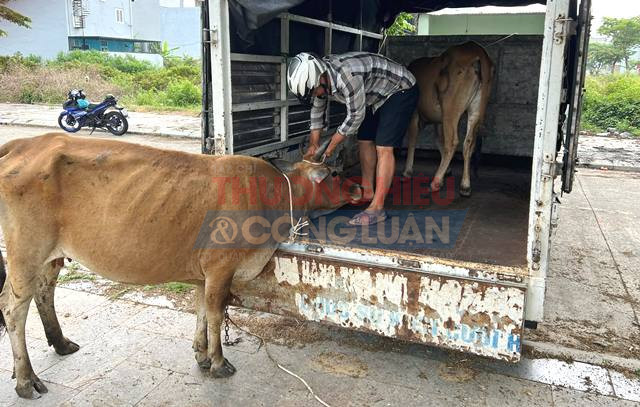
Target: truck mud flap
pixel 483 318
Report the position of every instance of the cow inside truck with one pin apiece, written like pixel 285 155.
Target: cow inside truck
pixel 466 273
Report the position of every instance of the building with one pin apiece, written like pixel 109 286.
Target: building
pixel 122 27
pixel 490 20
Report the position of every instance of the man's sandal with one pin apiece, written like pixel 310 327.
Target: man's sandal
pixel 368 218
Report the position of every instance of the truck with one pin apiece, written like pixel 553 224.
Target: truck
pixel 474 276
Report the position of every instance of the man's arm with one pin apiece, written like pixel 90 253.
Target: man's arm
pixel 355 100
pixel 317 124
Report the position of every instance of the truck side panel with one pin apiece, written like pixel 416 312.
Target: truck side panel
pixel 465 315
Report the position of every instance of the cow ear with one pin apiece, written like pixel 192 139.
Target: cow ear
pixel 319 173
pixel 282 165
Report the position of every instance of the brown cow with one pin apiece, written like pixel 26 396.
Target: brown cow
pixel 459 80
pixel 133 214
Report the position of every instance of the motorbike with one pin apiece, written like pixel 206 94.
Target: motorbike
pixel 79 113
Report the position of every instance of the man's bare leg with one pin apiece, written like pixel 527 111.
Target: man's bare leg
pixel 384 171
pixel 368 160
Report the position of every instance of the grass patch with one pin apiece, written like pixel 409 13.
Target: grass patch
pixel 137 84
pixel 75 275
pixel 176 288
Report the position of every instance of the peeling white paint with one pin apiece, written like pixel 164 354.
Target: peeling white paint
pixel 286 270
pixel 461 314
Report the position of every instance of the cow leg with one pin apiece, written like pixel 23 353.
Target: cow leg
pixel 412 140
pixel 216 291
pixel 473 121
pixel 449 144
pixel 45 302
pixel 14 302
pixel 200 339
pixel 440 144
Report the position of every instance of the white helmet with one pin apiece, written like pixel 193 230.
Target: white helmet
pixel 304 74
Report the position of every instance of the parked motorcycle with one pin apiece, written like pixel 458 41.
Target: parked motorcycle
pixel 79 113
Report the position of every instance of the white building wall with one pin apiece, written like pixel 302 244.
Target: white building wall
pixel 181 29
pixel 47 35
pixel 141 20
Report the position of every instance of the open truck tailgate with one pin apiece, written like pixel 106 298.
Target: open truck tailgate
pixel 402 298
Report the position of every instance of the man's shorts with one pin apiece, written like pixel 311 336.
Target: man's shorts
pixel 388 126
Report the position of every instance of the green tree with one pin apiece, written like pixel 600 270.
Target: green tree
pixel 7 14
pixel 624 34
pixel 603 55
pixel 403 25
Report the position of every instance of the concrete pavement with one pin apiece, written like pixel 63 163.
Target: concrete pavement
pixel 133 353
pixel 157 124
pixel 594 151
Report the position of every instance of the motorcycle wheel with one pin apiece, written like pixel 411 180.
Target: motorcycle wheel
pixel 116 123
pixel 68 123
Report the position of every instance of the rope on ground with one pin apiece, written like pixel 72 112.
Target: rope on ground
pixel 266 349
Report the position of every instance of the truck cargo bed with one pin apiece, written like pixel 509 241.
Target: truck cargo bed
pixel 493 220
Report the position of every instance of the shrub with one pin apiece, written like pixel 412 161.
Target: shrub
pixel 44 84
pixel 30 61
pixel 126 64
pixel 612 101
pixel 183 93
pixel 139 83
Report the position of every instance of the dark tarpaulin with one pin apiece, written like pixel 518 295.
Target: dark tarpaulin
pixel 247 16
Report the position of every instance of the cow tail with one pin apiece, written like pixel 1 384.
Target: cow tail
pixel 3 278
pixel 486 79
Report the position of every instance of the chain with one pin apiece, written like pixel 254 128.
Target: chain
pixel 227 341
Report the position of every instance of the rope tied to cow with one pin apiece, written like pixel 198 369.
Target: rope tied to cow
pixel 296 227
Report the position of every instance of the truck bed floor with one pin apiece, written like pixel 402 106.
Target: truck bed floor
pixel 494 219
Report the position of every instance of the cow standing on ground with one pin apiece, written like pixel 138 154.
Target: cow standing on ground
pixel 459 80
pixel 133 214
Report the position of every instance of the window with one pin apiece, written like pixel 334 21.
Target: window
pixel 119 15
pixel 75 43
pixel 104 45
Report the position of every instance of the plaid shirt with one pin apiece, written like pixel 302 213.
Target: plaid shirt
pixel 359 79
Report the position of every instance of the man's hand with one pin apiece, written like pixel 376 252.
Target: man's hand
pixel 314 144
pixel 336 140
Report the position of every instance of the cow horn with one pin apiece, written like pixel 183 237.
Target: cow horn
pixel 323 147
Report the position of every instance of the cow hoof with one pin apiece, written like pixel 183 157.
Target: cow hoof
pixel 225 370
pixel 26 391
pixel 204 364
pixel 465 192
pixel 67 347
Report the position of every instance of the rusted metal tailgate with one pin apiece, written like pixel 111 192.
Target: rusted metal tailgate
pixel 483 317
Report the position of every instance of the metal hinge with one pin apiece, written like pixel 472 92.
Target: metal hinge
pixel 548 166
pixel 314 248
pixel 509 277
pixel 563 28
pixel 414 264
pixel 211 38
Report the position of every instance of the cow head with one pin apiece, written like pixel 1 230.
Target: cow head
pixel 318 187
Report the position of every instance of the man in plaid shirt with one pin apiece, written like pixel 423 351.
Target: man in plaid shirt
pixel 380 96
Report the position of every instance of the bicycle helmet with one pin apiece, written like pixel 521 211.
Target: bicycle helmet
pixel 303 75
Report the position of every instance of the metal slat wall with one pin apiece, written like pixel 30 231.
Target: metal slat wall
pixel 266 117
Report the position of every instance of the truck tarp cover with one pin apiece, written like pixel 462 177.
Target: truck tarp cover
pixel 249 15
